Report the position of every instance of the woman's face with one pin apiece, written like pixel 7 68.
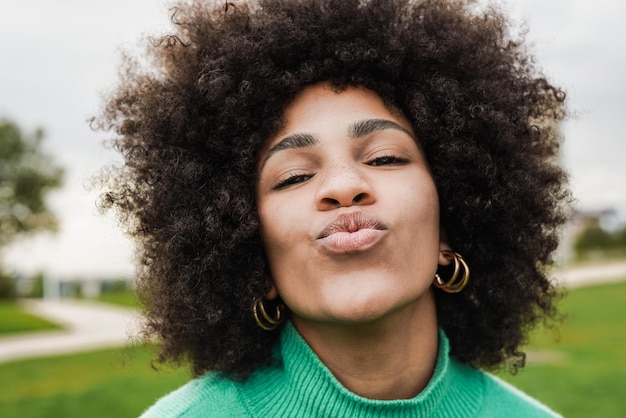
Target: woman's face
pixel 349 211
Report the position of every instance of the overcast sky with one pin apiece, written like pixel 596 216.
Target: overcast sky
pixel 58 57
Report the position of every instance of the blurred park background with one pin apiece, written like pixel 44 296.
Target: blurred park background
pixel 61 261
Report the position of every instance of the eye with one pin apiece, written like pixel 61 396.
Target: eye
pixel 291 180
pixel 387 160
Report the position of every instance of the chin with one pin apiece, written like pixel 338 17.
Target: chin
pixel 364 307
pixel 358 316
pixel 382 304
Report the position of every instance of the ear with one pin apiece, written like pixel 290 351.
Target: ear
pixel 272 293
pixel 443 247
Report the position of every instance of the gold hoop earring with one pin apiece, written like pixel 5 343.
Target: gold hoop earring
pixel 264 320
pixel 454 284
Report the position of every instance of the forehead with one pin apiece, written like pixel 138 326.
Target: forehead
pixel 322 106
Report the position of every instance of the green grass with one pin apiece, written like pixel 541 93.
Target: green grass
pixel 125 298
pixel 14 319
pixel 107 383
pixel 583 370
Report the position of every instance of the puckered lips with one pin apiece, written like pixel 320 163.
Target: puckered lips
pixel 351 232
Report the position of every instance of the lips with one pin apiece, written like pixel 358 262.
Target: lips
pixel 351 232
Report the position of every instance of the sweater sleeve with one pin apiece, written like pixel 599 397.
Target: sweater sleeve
pixel 504 400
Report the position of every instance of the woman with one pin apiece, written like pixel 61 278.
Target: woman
pixel 310 183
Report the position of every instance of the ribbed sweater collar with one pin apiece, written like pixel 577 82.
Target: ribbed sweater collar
pixel 302 386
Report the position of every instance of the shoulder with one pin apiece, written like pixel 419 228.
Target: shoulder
pixel 209 396
pixel 485 395
pixel 502 399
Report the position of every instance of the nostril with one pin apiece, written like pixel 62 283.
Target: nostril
pixel 358 198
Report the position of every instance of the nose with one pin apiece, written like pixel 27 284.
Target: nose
pixel 343 186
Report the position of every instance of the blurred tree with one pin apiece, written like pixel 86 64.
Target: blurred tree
pixel 7 286
pixel 594 241
pixel 593 237
pixel 26 176
pixel 36 290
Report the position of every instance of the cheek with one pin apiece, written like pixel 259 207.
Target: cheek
pixel 278 229
pixel 431 206
pixel 421 218
pixel 423 200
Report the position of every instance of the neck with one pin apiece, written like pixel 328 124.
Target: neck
pixel 390 358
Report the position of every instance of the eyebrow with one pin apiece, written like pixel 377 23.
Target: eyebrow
pixel 365 127
pixel 293 141
pixel 357 130
pixel 297 140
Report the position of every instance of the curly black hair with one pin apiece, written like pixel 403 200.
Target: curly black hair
pixel 190 125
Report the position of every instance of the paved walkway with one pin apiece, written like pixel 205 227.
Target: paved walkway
pixel 88 326
pixel 605 272
pixel 91 325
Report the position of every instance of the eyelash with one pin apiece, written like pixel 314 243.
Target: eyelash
pixel 376 162
pixel 387 160
pixel 292 179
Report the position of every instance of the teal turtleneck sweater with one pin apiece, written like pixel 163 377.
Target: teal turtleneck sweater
pixel 300 385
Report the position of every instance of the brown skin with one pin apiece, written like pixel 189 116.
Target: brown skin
pixel 363 302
